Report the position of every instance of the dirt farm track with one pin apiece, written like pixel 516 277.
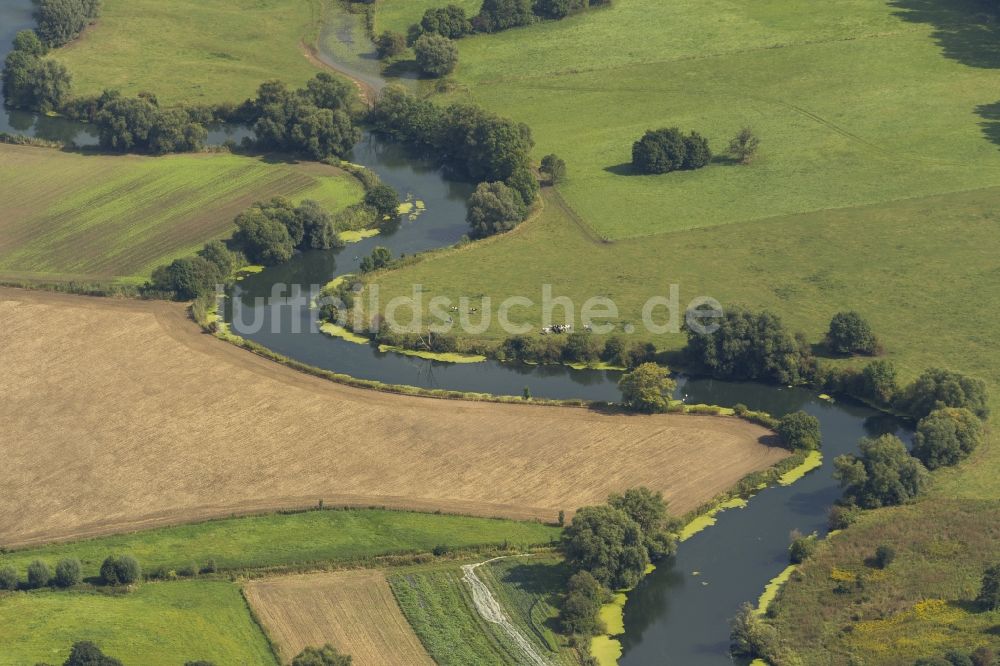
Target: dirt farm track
pixel 118 415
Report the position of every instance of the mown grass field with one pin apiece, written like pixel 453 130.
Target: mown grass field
pixel 438 605
pixel 275 540
pixel 78 216
pixel 157 624
pixel 352 610
pixel 188 51
pixel 855 103
pixel 920 606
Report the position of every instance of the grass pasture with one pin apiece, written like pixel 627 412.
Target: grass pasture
pixel 157 624
pixel 275 438
pixel 96 217
pixel 277 540
pixel 188 51
pixel 352 610
pixel 856 103
pixel 438 605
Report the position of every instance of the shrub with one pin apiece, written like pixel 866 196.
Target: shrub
pixel 8 578
pixel 800 431
pixel 209 567
pixel 322 656
pixel 494 208
pixel 989 591
pixel 957 658
pixel 936 388
pixel 696 151
pixel 384 200
pixel 390 44
pixel 753 638
pixel 378 259
pixel 878 381
pixel 849 333
pixel 557 9
pixel 983 656
pixel 85 653
pixel 120 570
pixel 647 388
pixel 842 517
pixel 946 437
pixel 68 572
pixel 885 474
pixel 436 55
pixel 39 574
pixel 554 168
pixel 802 548
pixel 884 556
pixel 744 145
pixel 497 15
pixel 582 604
pixel 665 150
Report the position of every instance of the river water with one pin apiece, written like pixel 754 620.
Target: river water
pixel 678 614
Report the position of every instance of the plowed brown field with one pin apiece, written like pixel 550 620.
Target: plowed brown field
pixel 352 610
pixel 119 415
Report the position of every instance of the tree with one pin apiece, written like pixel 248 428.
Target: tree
pixel 293 121
pixel 647 388
pixel 322 656
pixel 946 437
pixel 800 431
pixel 606 542
pixel 384 200
pixel 885 474
pixel 378 259
pixel 878 381
pixel 27 41
pixel 659 151
pixel 750 346
pixel 436 55
pixel 696 151
pixel 60 21
pixel 494 208
pixel 751 637
pixel 989 591
pixel 884 555
pixel 649 511
pixel 221 257
pixel 326 91
pixel 850 334
pixel 390 44
pixel 580 347
pixel 85 653
pixel 497 15
pixel 318 230
pixel 802 548
pixel 449 22
pixel 744 145
pixel 8 578
pixel 937 388
pixel 557 9
pixel 524 183
pixel 68 572
pixel 120 570
pixel 580 608
pixel 188 277
pixel 39 574
pixel 265 241
pixel 554 168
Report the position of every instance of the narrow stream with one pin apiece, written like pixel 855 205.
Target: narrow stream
pixel 677 615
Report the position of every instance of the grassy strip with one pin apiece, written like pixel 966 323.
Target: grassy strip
pixel 290 540
pixel 156 624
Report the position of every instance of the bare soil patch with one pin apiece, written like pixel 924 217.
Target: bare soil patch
pixel 119 415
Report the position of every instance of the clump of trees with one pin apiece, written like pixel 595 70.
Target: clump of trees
pixel 313 121
pixel 936 388
pixel 120 570
pixel 321 656
pixel 379 258
pixel 850 333
pixel 800 431
pixel 449 21
pixel 138 124
pixel 32 81
pixel 664 150
pixel 580 347
pixel 67 574
pixel 751 346
pixel 494 208
pixel 579 613
pixel 270 231
pixel 554 168
pixel 61 21
pixel 493 16
pixel 947 436
pixel 497 15
pixel 436 55
pixel 85 653
pixel 383 200
pixel 884 474
pixel 647 388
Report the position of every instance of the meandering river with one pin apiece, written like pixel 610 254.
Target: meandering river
pixel 677 615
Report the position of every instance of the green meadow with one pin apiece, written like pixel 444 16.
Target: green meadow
pixel 98 217
pixel 855 103
pixel 276 540
pixel 189 51
pixel 156 624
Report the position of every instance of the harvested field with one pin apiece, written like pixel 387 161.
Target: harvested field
pixel 120 415
pixel 352 610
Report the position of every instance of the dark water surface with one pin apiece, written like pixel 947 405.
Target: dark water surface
pixel 674 616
